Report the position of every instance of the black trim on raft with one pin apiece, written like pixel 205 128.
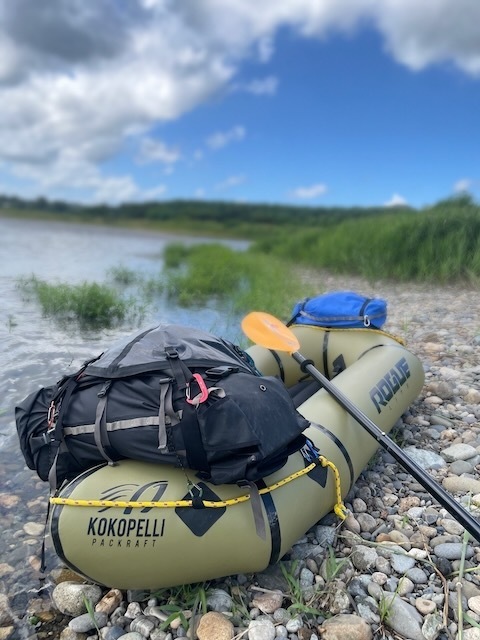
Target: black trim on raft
pixel 340 445
pixel 54 530
pixel 325 353
pixel 273 524
pixel 279 364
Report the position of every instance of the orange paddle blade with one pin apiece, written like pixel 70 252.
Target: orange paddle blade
pixel 270 332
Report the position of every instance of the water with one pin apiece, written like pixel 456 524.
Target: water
pixel 36 351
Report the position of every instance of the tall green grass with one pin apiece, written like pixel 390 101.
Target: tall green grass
pixel 91 304
pixel 437 245
pixel 241 281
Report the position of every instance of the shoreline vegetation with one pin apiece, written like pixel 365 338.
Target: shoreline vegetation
pixel 438 244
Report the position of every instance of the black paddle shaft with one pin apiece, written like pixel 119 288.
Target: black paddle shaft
pixel 435 490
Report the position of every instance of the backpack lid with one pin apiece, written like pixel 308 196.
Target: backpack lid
pixel 146 351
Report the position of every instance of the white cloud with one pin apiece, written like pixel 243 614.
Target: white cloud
pixel 79 79
pixel 395 201
pixel 232 181
pixel 152 150
pixel 465 184
pixel 222 138
pixel 261 86
pixel 311 192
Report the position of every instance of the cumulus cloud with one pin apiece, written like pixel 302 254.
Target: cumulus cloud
pixel 222 138
pixel 395 201
pixel 311 192
pixel 231 181
pixel 152 150
pixel 259 86
pixel 463 185
pixel 79 79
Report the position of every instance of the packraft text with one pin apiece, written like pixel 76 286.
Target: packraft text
pixel 126 533
pixel 387 387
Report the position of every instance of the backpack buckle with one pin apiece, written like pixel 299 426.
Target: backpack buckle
pixel 200 397
pixel 51 415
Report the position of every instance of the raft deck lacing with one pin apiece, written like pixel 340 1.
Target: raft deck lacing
pixel 339 508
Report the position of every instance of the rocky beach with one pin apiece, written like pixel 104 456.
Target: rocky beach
pixel 398 567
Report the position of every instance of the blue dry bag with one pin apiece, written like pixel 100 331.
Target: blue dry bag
pixel 341 309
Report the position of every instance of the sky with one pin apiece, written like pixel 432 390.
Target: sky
pixel 303 102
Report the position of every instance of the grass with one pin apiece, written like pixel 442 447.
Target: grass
pixel 179 600
pixel 235 282
pixel 90 304
pixel 440 244
pixel 243 281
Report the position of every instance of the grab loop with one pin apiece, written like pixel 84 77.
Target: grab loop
pixel 202 396
pixel 196 493
pixel 339 508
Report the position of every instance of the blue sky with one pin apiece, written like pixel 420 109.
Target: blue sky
pixel 308 102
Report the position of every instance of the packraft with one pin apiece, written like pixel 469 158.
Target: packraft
pixel 169 395
pixel 340 310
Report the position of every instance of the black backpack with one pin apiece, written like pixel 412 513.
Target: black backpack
pixel 169 395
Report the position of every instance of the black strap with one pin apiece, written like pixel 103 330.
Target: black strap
pixel 195 452
pixel 181 372
pixel 43 562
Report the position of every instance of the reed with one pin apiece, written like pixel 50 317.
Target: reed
pixel 441 244
pixel 90 304
pixel 240 280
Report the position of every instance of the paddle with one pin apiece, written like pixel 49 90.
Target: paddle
pixel 267 331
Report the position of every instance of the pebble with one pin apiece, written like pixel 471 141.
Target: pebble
pixel 215 626
pixel 260 630
pixel 384 549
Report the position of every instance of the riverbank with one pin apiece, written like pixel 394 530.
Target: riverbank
pixel 413 589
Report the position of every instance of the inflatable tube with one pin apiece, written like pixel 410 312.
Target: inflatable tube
pixel 131 546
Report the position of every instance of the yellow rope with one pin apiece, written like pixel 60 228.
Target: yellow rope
pixel 339 507
pixel 218 504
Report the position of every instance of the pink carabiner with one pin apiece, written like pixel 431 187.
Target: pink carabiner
pixel 202 396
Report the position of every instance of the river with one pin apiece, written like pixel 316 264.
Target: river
pixel 36 351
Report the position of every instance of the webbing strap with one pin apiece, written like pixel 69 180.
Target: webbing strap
pixel 100 432
pixel 256 503
pixel 162 426
pixel 57 442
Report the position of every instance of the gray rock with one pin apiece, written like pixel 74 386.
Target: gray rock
pixel 261 630
pixel 6 614
pixel 432 626
pixel 363 557
pixel 461 466
pixel 325 536
pixel 402 617
pixel 401 563
pixel 452 550
pixel 220 601
pixel 459 452
pixel 417 575
pixel 366 522
pixel 112 633
pixel 425 458
pixel 87 622
pixel 70 597
pixel 294 624
pixel 143 625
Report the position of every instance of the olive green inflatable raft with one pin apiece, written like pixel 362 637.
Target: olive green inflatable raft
pixel 133 525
